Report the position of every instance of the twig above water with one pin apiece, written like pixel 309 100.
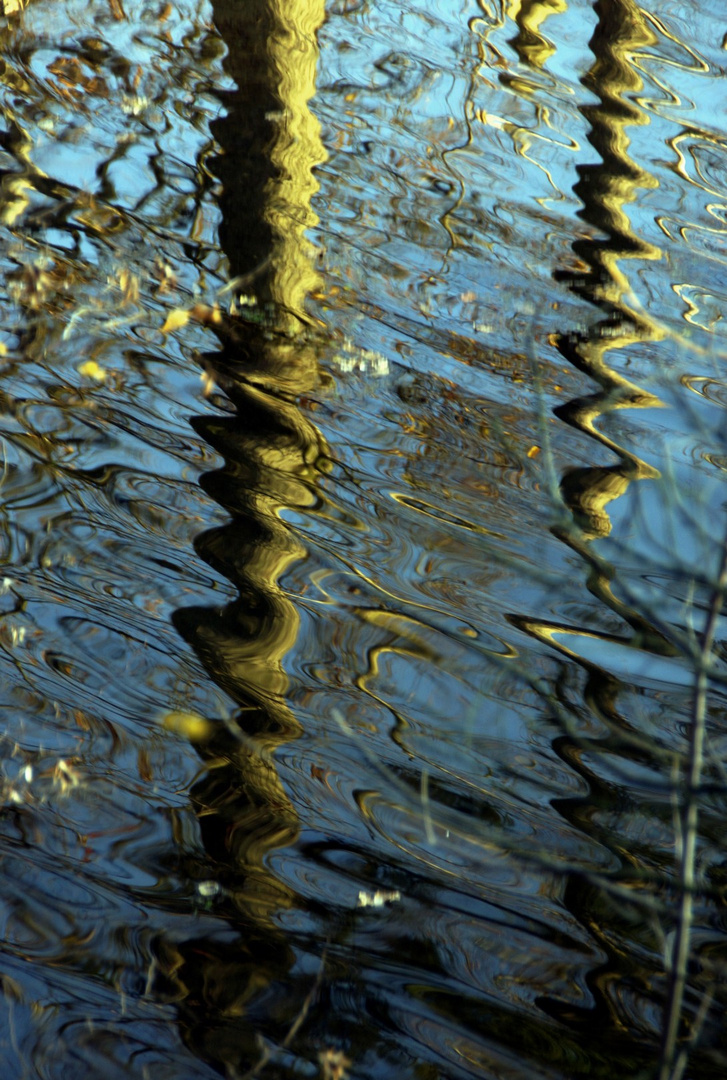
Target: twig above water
pixel 674 1057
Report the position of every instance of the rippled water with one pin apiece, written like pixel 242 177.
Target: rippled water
pixel 361 510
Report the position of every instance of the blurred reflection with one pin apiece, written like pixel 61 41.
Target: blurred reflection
pixel 532 46
pixel 270 145
pixel 12 7
pixel 606 189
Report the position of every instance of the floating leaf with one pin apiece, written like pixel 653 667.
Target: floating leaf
pixel 89 369
pixel 190 725
pixel 175 319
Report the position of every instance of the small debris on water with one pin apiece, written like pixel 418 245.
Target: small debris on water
pixel 378 899
pixel 207 889
pixel 333 1064
pixel 91 370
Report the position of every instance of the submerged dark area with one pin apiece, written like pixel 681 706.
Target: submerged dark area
pixel 363 533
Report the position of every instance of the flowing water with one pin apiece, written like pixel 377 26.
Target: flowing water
pixel 361 518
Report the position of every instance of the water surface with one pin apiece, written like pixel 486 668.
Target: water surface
pixel 362 506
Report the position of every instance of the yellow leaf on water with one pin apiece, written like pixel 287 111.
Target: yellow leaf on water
pixel 533 451
pixel 190 725
pixel 91 370
pixel 175 319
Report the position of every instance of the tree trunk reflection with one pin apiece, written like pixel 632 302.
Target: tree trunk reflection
pixel 269 147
